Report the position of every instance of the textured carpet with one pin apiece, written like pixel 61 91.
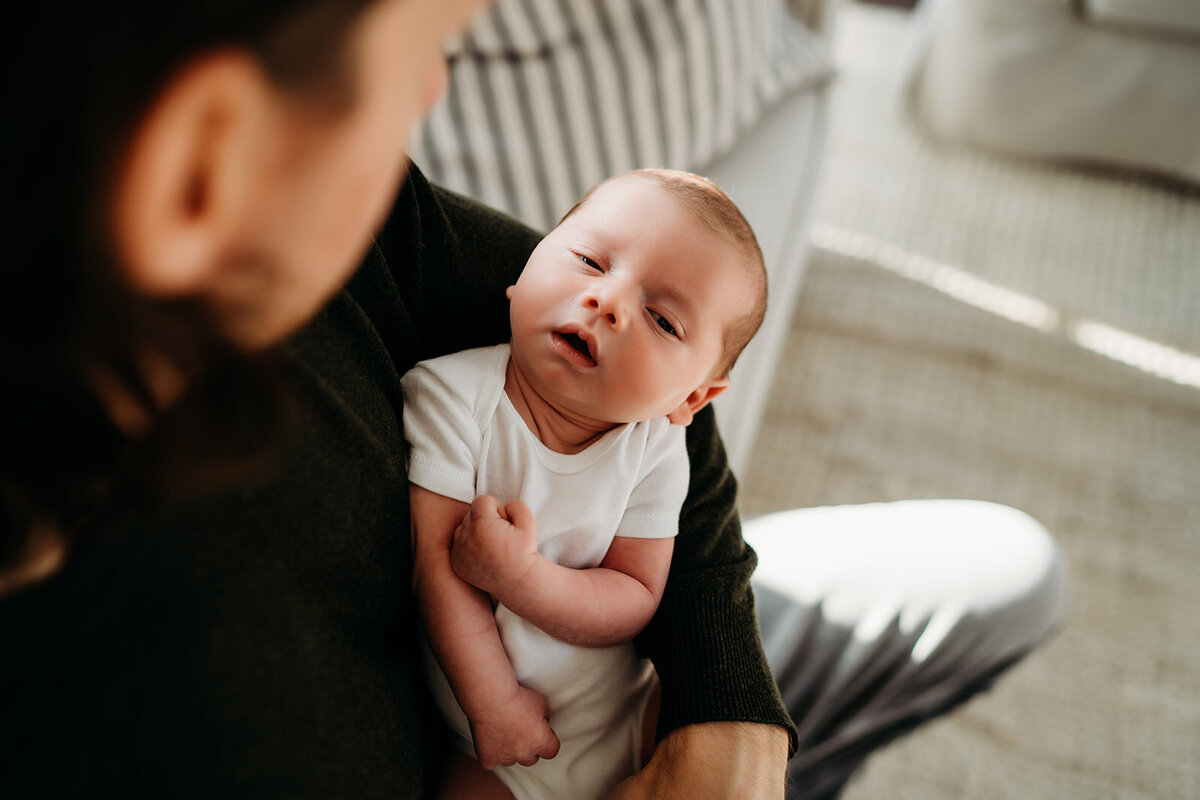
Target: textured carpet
pixel 976 326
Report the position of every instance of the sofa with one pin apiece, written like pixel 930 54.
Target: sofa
pixel 1114 83
pixel 548 97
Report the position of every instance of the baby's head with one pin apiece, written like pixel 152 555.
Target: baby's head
pixel 713 210
pixel 639 302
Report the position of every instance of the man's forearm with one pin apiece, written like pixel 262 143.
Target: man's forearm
pixel 717 760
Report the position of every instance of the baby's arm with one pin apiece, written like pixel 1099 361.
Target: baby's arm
pixel 508 721
pixel 495 549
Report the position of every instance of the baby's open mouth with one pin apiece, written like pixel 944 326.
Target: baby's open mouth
pixel 578 344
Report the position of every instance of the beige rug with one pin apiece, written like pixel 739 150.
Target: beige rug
pixel 976 326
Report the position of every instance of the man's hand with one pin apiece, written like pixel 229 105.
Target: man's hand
pixel 515 731
pixel 494 545
pixel 713 761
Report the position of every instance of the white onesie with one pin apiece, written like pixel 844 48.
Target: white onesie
pixel 467 439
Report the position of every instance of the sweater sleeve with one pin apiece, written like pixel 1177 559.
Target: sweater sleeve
pixel 704 639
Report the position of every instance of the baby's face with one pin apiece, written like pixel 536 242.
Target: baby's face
pixel 620 312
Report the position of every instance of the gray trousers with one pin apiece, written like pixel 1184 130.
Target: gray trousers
pixel 878 617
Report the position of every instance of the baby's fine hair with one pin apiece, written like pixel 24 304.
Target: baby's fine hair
pixel 716 211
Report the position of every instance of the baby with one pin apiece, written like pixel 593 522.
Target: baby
pixel 547 477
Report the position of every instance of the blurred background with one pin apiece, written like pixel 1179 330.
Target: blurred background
pixel 982 221
pixel 974 323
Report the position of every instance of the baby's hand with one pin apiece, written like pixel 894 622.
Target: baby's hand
pixel 494 545
pixel 514 732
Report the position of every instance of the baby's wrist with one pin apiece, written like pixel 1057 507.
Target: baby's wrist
pixel 511 584
pixel 488 705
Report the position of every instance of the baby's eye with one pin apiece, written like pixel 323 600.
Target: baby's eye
pixel 663 323
pixel 590 263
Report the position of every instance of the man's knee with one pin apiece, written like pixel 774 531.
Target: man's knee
pixel 952 563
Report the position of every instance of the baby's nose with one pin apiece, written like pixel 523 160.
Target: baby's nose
pixel 608 309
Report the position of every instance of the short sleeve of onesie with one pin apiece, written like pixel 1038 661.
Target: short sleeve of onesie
pixel 442 419
pixel 653 508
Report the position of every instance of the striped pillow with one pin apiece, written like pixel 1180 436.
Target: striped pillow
pixel 548 97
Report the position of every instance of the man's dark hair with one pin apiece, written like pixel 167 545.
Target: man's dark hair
pixel 78 77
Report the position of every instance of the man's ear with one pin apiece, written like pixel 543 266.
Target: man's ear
pixel 183 186
pixel 698 399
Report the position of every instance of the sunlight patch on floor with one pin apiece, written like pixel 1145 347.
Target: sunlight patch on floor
pixel 1154 358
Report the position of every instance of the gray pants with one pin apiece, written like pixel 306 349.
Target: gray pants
pixel 878 617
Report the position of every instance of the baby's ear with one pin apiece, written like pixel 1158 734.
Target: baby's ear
pixel 701 396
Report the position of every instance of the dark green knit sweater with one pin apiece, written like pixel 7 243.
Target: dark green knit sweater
pixel 261 642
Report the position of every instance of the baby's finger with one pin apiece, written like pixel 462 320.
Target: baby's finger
pixel 551 746
pixel 547 748
pixel 485 506
pixel 548 745
pixel 519 515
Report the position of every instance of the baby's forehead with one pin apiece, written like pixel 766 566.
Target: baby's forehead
pixel 706 215
pixel 628 183
pixel 724 290
pixel 630 190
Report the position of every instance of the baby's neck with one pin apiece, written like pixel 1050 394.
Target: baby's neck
pixel 556 429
